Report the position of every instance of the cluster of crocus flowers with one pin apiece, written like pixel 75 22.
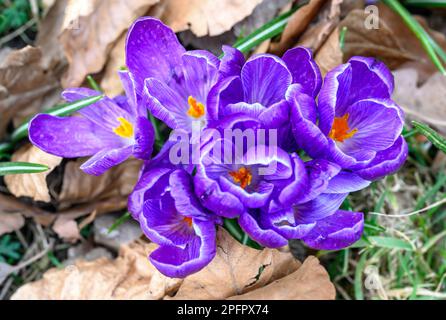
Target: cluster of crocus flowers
pixel 335 138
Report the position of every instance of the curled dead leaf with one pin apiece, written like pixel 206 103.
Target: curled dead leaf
pixel 236 270
pixel 309 282
pixel 33 186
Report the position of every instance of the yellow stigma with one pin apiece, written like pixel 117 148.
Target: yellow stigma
pixel 196 109
pixel 188 221
pixel 125 129
pixel 242 176
pixel 340 130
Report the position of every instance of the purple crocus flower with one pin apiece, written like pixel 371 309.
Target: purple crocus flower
pixel 169 214
pixel 314 215
pixel 110 130
pixel 175 82
pixel 359 125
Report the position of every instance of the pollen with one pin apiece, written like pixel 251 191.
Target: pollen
pixel 188 221
pixel 125 129
pixel 196 109
pixel 340 130
pixel 242 176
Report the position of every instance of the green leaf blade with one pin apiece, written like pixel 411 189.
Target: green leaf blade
pixel 9 168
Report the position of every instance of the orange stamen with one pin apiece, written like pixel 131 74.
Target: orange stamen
pixel 340 130
pixel 188 221
pixel 243 176
pixel 196 109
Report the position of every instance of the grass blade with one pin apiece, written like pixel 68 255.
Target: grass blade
pixel 126 216
pixel 7 168
pixel 437 140
pixel 426 3
pixel 418 30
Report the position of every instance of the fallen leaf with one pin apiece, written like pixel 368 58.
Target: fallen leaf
pixel 10 222
pixel 130 276
pixel 10 204
pixel 90 30
pixel 32 185
pixel 297 24
pixel 79 187
pixel 424 103
pixel 330 55
pixel 235 270
pixel 309 282
pixel 324 24
pixel 204 17
pixel 111 83
pixel 24 83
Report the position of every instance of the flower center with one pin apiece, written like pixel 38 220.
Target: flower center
pixel 242 176
pixel 125 129
pixel 340 130
pixel 196 109
pixel 188 221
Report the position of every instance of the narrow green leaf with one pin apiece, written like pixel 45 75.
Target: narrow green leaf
pixel 60 111
pixel 359 294
pixel 126 216
pixel 437 140
pixel 7 168
pixel 383 242
pixel 270 30
pixel 342 37
pixel 418 30
pixel 93 84
pixel 426 3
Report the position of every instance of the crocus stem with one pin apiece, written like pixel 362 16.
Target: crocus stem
pixel 93 84
pixel 234 229
pixel 417 29
pixel 126 216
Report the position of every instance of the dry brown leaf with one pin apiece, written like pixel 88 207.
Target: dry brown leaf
pixel 67 229
pixel 10 222
pixel 9 204
pixel 90 30
pixel 204 17
pixel 319 31
pixel 330 55
pixel 309 282
pixel 130 276
pixel 32 185
pixel 111 83
pixel 24 83
pixel 235 270
pixel 79 187
pixel 297 24
pixel 425 103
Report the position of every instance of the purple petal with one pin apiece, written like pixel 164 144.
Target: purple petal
pixel 144 139
pixel 70 137
pixel 361 78
pixel 265 79
pixel 128 83
pixel 106 159
pixel 200 73
pixel 346 182
pixel 250 223
pixel 232 62
pixel 166 104
pixel 378 122
pixel 225 92
pixel 304 70
pixel 386 162
pixel 153 51
pixel 178 262
pixel 337 231
pixel 254 199
pixel 298 184
pixel 319 208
